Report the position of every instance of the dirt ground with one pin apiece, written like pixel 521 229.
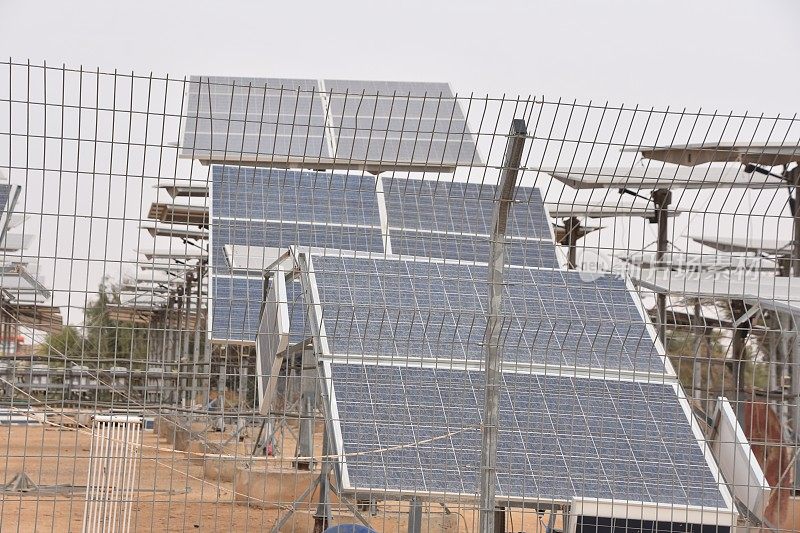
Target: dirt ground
pixel 174 493
pixel 178 491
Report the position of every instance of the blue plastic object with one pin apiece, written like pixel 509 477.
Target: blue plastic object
pixel 349 528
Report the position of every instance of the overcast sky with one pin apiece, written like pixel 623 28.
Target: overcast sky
pixel 724 54
pixel 716 55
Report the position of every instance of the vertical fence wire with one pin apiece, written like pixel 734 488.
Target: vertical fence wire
pixel 285 280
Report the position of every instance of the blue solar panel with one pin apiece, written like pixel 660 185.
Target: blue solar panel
pixel 457 208
pixel 288 195
pixel 299 330
pixel 401 309
pixel 276 235
pixel 471 248
pixel 236 309
pixel 560 437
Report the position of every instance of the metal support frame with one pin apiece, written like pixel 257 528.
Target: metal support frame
pixel 491 409
pixel 572 227
pixel 701 331
pixel 198 383
pixel 795 403
pixel 183 362
pixel 415 516
pixel 661 198
pixel 739 345
pixel 793 177
pixel 500 520
pixel 323 516
pixel 309 381
pixel 308 406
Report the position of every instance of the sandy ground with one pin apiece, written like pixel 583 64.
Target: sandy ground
pixel 176 491
pixel 172 493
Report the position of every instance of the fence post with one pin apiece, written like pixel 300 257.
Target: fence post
pixel 491 408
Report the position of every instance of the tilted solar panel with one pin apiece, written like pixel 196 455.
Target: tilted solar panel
pixel 236 308
pixel 277 234
pixel 326 124
pixel 287 195
pixel 240 119
pixel 457 207
pixel 472 248
pixel 399 310
pixel 5 194
pixel 417 430
pixel 399 122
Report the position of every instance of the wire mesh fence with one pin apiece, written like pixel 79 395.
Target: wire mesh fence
pixel 391 306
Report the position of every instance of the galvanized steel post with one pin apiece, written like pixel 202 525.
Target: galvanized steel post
pixel 491 408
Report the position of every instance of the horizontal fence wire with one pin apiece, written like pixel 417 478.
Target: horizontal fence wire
pixel 258 304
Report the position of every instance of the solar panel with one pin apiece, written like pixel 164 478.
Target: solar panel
pixel 326 124
pixel 277 235
pixel 400 310
pixel 8 198
pixel 277 194
pixel 472 248
pixel 576 208
pixel 5 194
pixel 243 119
pixel 756 244
pixel 770 154
pixel 417 430
pixel 657 175
pixel 457 208
pixel 399 122
pixel 236 307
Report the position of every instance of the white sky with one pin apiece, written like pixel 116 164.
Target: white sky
pixel 716 55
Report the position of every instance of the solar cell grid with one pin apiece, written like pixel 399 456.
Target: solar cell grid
pixel 401 309
pixel 236 309
pixel 410 125
pixel 250 117
pixel 276 235
pixel 561 437
pixel 457 208
pixel 277 194
pixel 470 248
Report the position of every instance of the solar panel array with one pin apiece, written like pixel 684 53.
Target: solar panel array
pixel 265 207
pixel 561 437
pixel 287 195
pixel 591 407
pixel 268 207
pixel 326 123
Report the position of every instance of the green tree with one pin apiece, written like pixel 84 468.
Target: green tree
pixel 104 339
pixel 62 343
